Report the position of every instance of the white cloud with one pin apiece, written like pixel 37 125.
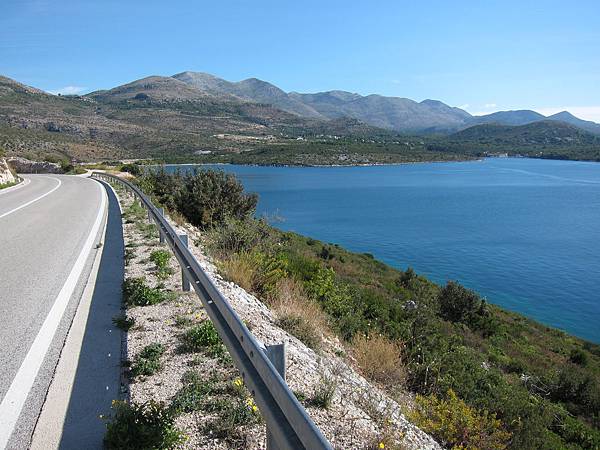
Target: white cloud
pixel 465 106
pixel 490 105
pixel 69 90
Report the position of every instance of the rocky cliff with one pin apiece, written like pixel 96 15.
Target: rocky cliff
pixel 23 165
pixel 6 175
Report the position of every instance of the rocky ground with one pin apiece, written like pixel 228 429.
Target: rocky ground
pixel 351 412
pixel 6 175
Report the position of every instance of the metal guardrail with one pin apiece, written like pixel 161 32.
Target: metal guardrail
pixel 288 424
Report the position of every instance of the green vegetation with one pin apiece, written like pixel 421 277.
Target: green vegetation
pixel 123 322
pixel 133 169
pixel 148 361
pixel 7 185
pixel 150 425
pixel 147 122
pixel 220 397
pixel 193 394
pixel 545 139
pixel 203 337
pixel 456 425
pixel 325 152
pixel 137 293
pixel 206 198
pixel 161 259
pixel 323 394
pixel 513 381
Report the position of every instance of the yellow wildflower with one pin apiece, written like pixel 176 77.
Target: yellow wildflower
pixel 381 445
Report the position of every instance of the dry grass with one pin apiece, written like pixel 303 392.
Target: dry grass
pixel 380 359
pixel 240 269
pixel 297 314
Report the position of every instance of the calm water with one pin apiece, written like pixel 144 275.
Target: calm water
pixel 523 233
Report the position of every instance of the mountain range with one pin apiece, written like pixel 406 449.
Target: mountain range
pixel 192 115
pixel 394 113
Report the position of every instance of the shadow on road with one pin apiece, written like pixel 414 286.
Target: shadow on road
pixel 97 381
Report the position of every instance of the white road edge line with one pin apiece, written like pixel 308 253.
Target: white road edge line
pixel 35 199
pixel 23 183
pixel 14 400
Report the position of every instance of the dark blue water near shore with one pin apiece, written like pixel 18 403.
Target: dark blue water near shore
pixel 524 233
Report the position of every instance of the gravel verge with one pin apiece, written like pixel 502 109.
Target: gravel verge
pixel 359 416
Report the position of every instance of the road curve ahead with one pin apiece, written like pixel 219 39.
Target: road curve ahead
pixel 48 231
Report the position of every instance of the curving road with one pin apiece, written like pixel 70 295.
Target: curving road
pixel 49 231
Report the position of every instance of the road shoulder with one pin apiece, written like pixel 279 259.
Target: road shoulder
pixel 87 377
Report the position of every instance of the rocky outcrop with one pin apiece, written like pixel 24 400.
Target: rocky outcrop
pixel 23 165
pixel 6 175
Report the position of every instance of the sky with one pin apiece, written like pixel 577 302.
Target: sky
pixel 483 56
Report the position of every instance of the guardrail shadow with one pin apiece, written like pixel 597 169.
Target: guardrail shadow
pixel 97 380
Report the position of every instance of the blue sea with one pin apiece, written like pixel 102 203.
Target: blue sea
pixel 524 233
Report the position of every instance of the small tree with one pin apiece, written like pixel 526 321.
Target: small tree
pixel 459 304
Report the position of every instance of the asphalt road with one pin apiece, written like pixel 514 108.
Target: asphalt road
pixel 49 230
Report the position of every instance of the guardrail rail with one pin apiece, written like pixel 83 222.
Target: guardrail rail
pixel 288 424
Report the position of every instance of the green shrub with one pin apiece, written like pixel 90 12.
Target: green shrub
pixel 239 236
pixel 129 255
pixel 575 432
pixel 457 425
pixel 323 393
pixel 133 169
pixel 182 321
pixel 337 300
pixel 578 389
pixel 270 269
pixel 194 391
pixel 137 293
pixel 123 322
pixel 144 426
pixel 206 198
pixel 203 337
pixel 231 416
pixel 161 260
pixel 457 303
pixel 148 361
pixel 578 356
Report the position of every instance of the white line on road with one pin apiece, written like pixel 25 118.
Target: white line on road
pixel 35 199
pixel 12 404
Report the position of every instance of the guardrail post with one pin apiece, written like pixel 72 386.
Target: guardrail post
pixel 185 283
pixel 161 236
pixel 276 354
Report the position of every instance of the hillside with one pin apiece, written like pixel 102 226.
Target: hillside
pixel 200 118
pixel 164 118
pixel 520 117
pixel 484 377
pixel 545 139
pixel 400 114
pixel 393 113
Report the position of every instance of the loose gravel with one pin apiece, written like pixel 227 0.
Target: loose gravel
pixel 360 415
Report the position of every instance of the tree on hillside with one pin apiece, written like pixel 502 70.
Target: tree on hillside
pixel 458 304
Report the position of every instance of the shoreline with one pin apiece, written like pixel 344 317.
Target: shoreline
pixel 321 165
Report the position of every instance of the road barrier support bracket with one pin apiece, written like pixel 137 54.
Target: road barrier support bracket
pixel 185 282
